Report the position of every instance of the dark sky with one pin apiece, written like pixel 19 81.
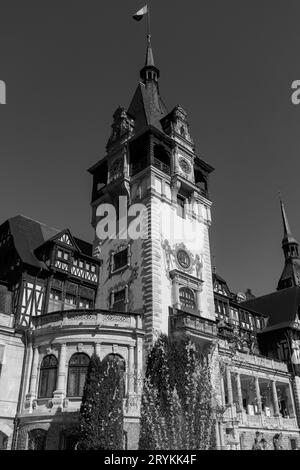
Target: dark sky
pixel 230 64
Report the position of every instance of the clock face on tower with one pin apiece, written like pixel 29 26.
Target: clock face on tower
pixel 185 166
pixel 183 259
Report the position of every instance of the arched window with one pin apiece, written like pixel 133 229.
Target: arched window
pixel 37 439
pixel 187 298
pixel 48 376
pixel 78 367
pixel 120 362
pixel 3 441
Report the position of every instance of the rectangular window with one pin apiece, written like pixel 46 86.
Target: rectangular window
pixel 120 259
pixel 66 256
pixel 180 206
pixel 93 268
pixel 55 295
pixel 59 253
pixel 293 443
pixel 81 264
pixel 85 304
pixel 119 300
pixel 87 266
pixel 70 299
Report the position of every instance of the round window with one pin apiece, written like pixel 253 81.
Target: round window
pixel 183 259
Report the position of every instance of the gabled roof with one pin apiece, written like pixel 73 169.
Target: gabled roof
pixel 27 235
pixel 66 238
pixel 147 106
pixel 281 307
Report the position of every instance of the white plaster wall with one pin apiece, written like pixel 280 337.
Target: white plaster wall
pixel 10 376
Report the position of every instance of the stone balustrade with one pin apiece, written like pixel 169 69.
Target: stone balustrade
pixel 268 422
pixel 261 362
pixel 89 318
pixel 260 421
pixel 188 321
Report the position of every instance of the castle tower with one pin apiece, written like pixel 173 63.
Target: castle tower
pixel 152 180
pixel 291 272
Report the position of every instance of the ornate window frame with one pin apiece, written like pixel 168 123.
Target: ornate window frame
pixel 112 259
pixel 182 279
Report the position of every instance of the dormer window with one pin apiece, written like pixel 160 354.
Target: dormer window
pixel 63 254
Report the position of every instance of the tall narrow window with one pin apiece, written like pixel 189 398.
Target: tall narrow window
pixel 180 206
pixel 119 300
pixel 78 366
pixel 48 374
pixel 187 298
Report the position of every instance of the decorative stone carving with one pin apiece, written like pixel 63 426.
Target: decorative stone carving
pixel 176 125
pixel 122 126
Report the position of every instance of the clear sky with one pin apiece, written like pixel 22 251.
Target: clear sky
pixel 229 63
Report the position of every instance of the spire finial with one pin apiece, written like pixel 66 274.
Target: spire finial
pixel 149 56
pixel 286 225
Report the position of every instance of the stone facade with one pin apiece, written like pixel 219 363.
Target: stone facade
pixel 65 300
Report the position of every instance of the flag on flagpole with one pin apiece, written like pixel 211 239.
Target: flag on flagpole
pixel 141 13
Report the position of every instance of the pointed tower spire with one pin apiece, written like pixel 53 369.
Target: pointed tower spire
pixel 291 271
pixel 149 55
pixel 288 238
pixel 149 72
pixel 286 226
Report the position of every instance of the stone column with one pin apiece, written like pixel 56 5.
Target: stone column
pixel 221 433
pixel 97 349
pixel 222 389
pixel 296 390
pixel 198 294
pixel 139 364
pixel 292 406
pixel 34 373
pixel 239 391
pixel 258 397
pixel 130 370
pixel 218 444
pixel 175 292
pixel 229 387
pixel 61 376
pixel 275 399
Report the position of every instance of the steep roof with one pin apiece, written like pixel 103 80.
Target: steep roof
pixel 281 307
pixel 28 235
pixel 147 106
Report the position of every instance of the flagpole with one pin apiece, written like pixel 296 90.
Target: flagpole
pixel 148 24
